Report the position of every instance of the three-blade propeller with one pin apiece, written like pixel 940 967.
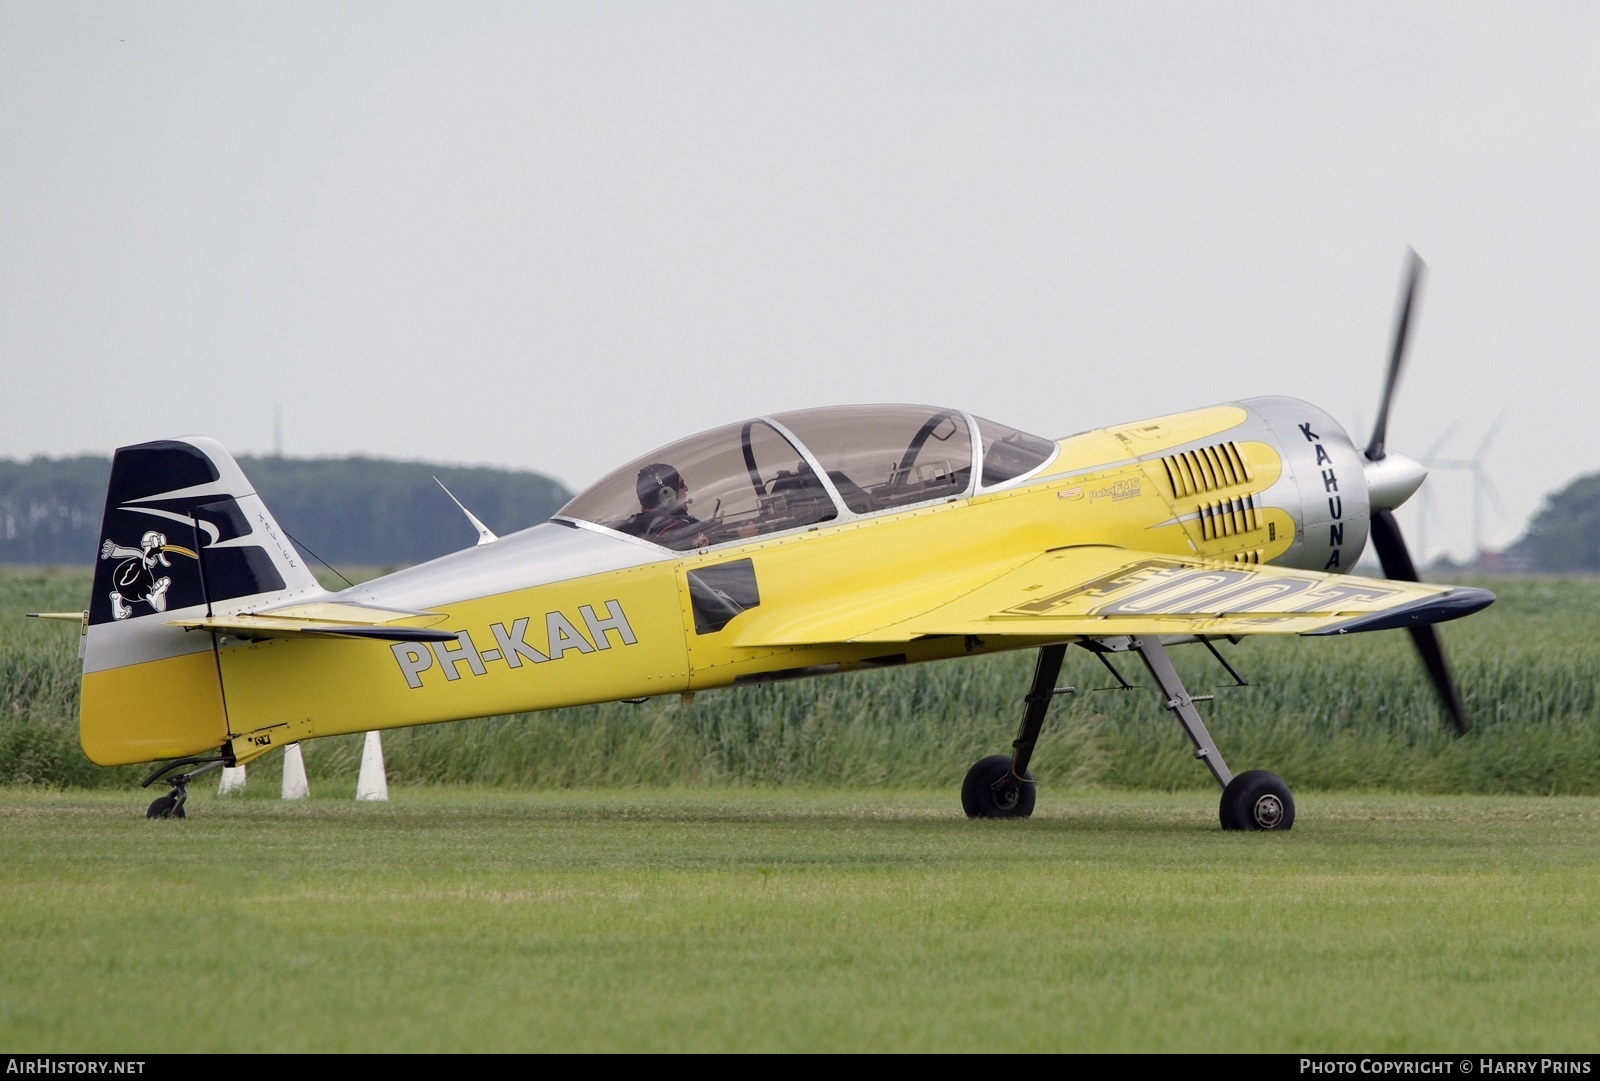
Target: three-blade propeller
pixel 1386 538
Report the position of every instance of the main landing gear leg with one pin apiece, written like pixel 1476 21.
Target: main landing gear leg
pixel 171 805
pixel 1254 800
pixel 1000 786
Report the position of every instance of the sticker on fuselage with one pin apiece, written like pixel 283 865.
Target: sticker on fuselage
pixel 1118 490
pixel 1330 485
pixel 562 635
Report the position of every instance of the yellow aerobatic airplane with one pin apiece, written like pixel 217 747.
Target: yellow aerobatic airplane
pixel 798 544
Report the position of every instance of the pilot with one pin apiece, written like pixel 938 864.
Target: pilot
pixel 664 509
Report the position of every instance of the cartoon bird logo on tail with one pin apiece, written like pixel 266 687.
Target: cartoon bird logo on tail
pixel 135 577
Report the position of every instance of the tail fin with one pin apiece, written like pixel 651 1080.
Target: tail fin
pixel 184 534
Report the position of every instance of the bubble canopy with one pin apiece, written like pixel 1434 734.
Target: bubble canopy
pixel 799 469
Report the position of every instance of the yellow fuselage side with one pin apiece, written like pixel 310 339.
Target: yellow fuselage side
pixel 165 708
pixel 599 638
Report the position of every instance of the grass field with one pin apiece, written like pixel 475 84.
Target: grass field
pixel 453 919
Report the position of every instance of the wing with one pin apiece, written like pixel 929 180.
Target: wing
pixel 1097 591
pixel 325 620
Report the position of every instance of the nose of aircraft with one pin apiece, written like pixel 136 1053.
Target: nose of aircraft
pixel 1392 479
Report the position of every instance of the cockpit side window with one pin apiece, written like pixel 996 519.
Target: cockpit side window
pixel 880 457
pixel 731 483
pixel 1009 454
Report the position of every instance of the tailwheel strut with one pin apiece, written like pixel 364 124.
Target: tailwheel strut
pixel 171 804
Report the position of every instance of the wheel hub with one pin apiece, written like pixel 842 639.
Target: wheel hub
pixel 1268 811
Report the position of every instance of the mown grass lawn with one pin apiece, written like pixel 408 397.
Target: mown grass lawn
pixel 459 919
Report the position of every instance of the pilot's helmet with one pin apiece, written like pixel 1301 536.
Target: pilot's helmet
pixel 152 539
pixel 658 486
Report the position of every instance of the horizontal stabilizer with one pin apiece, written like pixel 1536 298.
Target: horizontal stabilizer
pixel 325 620
pixel 65 617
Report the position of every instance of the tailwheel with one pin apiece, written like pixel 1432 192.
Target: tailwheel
pixel 168 806
pixel 991 790
pixel 1257 800
pixel 171 805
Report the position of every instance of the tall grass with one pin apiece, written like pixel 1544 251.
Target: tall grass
pixel 1343 713
pixel 39 683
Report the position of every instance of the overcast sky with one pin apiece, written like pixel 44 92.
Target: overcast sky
pixel 555 236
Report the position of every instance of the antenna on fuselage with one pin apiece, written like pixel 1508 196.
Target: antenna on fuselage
pixel 485 535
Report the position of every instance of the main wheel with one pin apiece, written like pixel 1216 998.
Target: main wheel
pixel 1257 800
pixel 990 791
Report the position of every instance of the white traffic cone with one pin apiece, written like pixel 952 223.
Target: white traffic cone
pixel 372 784
pixel 232 780
pixel 294 773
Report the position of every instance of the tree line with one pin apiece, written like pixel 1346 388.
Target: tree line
pixel 1564 536
pixel 349 512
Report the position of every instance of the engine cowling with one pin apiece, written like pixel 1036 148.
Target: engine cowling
pixel 1328 486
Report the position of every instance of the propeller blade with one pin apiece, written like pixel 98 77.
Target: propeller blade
pixel 1391 547
pixel 1396 560
pixel 1397 356
pixel 1426 639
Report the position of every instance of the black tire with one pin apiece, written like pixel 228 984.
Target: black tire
pixel 1257 800
pixel 990 791
pixel 165 807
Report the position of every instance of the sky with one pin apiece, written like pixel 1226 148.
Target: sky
pixel 554 236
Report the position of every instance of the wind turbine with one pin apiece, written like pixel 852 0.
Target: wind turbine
pixel 1425 508
pixel 1481 486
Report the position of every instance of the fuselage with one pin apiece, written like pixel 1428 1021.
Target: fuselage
pixel 576 610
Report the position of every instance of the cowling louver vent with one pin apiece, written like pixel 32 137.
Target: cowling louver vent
pixel 1228 518
pixel 1207 469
